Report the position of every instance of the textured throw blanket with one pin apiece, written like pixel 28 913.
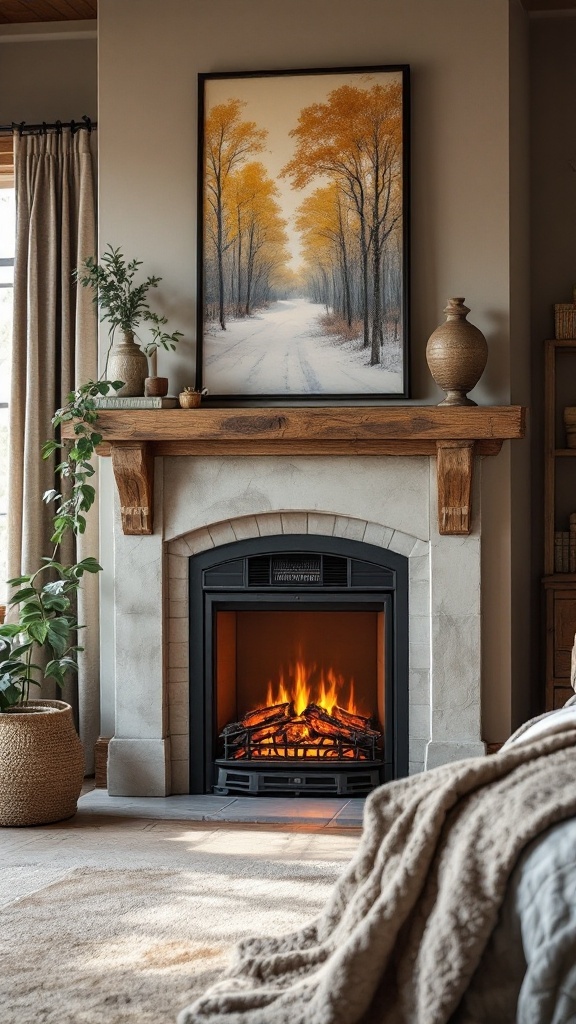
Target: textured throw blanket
pixel 407 923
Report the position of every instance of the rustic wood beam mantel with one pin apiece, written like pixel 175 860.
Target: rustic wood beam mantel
pixel 452 434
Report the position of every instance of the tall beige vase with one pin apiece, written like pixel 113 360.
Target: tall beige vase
pixel 456 354
pixel 127 362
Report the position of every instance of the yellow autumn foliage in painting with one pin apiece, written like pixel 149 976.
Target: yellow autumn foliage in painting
pixel 354 140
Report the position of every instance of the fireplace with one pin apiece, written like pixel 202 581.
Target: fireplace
pixel 301 680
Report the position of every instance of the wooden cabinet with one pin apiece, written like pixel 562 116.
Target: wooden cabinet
pixel 559 503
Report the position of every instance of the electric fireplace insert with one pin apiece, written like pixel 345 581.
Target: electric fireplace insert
pixel 299 677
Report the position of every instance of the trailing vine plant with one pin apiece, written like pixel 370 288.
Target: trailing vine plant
pixel 45 599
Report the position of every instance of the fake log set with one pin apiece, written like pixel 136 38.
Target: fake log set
pixel 278 731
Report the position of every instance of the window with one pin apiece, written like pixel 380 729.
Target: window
pixel 7 239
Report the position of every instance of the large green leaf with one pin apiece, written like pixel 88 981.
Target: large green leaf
pixel 58 638
pixel 22 595
pixel 39 631
pixel 10 629
pixel 52 603
pixel 89 565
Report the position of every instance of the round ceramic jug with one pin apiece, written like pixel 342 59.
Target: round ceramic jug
pixel 456 354
pixel 127 362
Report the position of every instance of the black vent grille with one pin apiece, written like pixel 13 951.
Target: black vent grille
pixel 367 574
pixel 259 571
pixel 335 572
pixel 227 574
pixel 332 571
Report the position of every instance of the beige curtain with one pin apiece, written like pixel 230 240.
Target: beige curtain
pixel 54 350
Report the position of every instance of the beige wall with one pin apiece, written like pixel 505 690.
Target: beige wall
pixel 464 234
pixel 48 73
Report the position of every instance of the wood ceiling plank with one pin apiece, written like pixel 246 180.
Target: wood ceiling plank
pixel 15 13
pixel 74 10
pixel 19 12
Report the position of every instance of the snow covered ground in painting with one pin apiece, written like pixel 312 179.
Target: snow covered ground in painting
pixel 281 351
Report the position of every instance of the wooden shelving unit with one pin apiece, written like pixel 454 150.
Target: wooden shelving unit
pixel 559 587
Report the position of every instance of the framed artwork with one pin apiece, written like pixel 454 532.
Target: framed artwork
pixel 303 234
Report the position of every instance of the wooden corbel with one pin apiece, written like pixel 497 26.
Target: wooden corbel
pixel 133 466
pixel 454 464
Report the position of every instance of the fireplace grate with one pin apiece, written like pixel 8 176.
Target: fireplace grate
pixel 349 781
pixel 323 750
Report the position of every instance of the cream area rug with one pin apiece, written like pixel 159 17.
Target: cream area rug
pixel 85 944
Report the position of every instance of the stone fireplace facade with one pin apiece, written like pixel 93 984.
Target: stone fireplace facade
pixel 206 502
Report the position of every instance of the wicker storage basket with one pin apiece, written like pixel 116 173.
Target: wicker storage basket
pixel 565 321
pixel 41 763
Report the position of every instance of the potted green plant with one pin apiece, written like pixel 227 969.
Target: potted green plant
pixel 41 759
pixel 125 305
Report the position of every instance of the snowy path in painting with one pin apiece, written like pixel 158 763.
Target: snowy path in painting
pixel 281 351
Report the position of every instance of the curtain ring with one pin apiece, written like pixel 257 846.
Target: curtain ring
pixel 59 127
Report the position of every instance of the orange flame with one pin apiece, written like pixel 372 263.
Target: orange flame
pixel 325 691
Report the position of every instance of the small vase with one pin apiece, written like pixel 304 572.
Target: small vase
pixel 127 362
pixel 156 387
pixel 456 354
pixel 190 399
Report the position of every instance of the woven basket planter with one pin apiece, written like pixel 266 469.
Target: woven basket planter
pixel 41 763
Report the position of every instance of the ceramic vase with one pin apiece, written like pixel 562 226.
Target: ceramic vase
pixel 456 354
pixel 127 362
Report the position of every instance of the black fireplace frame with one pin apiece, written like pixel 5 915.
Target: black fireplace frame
pixel 220 579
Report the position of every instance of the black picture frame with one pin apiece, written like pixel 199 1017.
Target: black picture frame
pixel 303 235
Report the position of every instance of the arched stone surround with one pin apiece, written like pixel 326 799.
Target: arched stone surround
pixel 295 523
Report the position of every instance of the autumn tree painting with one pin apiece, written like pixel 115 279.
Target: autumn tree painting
pixel 304 229
pixel 355 139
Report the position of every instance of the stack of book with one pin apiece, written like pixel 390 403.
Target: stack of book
pixel 565 548
pixel 138 402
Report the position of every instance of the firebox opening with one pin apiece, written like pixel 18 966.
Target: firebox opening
pixel 306 684
pixel 300 680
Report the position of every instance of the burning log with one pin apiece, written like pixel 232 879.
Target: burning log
pixel 323 723
pixel 297 731
pixel 265 716
pixel 268 732
pixel 358 722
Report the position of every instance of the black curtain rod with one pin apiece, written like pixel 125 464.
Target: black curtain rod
pixel 44 128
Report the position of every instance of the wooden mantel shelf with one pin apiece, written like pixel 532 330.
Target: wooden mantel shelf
pixel 453 434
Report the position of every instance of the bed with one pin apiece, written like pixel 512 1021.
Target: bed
pixel 459 907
